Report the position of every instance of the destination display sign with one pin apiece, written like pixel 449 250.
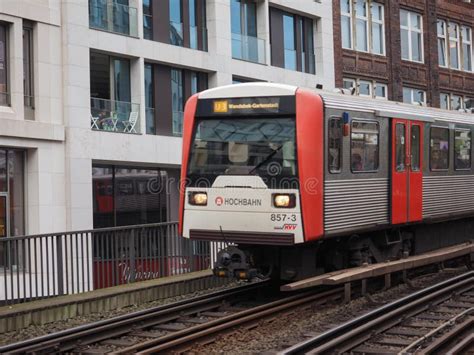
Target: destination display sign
pixel 280 105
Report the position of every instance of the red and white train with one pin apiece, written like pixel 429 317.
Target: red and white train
pixel 300 182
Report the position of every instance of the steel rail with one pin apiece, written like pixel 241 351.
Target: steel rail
pixel 90 333
pixel 190 336
pixel 358 330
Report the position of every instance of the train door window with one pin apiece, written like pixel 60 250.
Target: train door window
pixel 400 151
pixel 335 144
pixel 462 149
pixel 439 148
pixel 364 146
pixel 415 148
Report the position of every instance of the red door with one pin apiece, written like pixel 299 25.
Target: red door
pixel 407 177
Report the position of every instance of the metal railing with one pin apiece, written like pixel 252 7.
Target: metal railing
pixel 115 116
pixel 48 265
pixel 110 16
pixel 248 48
pixel 178 117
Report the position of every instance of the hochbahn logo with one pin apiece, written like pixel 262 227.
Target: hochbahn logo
pixel 246 202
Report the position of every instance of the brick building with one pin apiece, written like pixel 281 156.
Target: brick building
pixel 406 50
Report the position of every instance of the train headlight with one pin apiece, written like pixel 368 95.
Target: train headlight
pixel 198 198
pixel 284 200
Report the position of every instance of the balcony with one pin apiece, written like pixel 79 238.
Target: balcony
pixel 115 116
pixel 112 17
pixel 178 123
pixel 248 48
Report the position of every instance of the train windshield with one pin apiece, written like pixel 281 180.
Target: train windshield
pixel 244 146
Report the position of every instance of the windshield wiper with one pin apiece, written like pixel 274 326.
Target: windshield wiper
pixel 269 156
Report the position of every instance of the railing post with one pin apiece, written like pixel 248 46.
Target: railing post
pixel 132 255
pixel 59 253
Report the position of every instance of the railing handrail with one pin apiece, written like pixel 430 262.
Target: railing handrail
pixel 109 100
pixel 96 230
pixel 108 3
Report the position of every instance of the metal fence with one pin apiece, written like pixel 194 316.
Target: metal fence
pixel 39 266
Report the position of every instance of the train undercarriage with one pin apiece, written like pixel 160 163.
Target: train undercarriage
pixel 291 263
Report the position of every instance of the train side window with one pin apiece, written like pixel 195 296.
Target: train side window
pixel 415 148
pixel 462 149
pixel 335 144
pixel 364 146
pixel 439 148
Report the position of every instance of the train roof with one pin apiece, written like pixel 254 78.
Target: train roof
pixel 379 107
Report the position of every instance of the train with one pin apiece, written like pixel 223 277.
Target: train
pixel 298 182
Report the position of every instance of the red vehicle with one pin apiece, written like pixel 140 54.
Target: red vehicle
pixel 303 182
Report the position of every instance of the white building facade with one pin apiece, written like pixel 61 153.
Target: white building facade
pixel 93 93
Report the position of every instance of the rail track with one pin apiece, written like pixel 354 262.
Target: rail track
pixel 435 320
pixel 172 326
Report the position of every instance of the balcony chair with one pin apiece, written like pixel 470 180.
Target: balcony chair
pixel 131 123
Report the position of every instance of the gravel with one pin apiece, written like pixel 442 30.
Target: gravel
pixel 39 330
pixel 297 326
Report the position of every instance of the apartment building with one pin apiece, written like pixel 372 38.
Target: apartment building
pixel 92 94
pixel 417 51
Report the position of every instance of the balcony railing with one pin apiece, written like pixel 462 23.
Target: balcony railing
pixel 248 48
pixel 4 99
pixel 29 104
pixel 147 27
pixel 150 120
pixel 115 116
pixel 113 17
pixel 178 123
pixel 290 59
pixel 194 38
pixel 308 66
pixel 176 33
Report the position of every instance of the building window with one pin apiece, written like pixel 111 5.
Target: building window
pixel 128 195
pixel 453 30
pixel 335 144
pixel 462 149
pixel 113 16
pixel 289 41
pixel 366 88
pixel 28 87
pixel 439 148
pixel 457 102
pixel 177 100
pixel 411 31
pixel 369 30
pixel 4 95
pixel 147 19
pixel 149 99
pixel 414 96
pixel 364 146
pixel 444 101
pixel 346 23
pixel 452 101
pixel 176 23
pixel 12 203
pixel 466 35
pixel 442 54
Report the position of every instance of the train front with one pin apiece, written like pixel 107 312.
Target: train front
pixel 240 179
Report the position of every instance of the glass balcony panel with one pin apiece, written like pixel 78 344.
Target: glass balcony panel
pixel 194 35
pixel 150 120
pixel 308 63
pixel 248 48
pixel 147 27
pixel 115 116
pixel 290 59
pixel 113 17
pixel 178 123
pixel 176 33
pixel 29 103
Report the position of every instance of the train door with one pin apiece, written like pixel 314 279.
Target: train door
pixel 407 176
